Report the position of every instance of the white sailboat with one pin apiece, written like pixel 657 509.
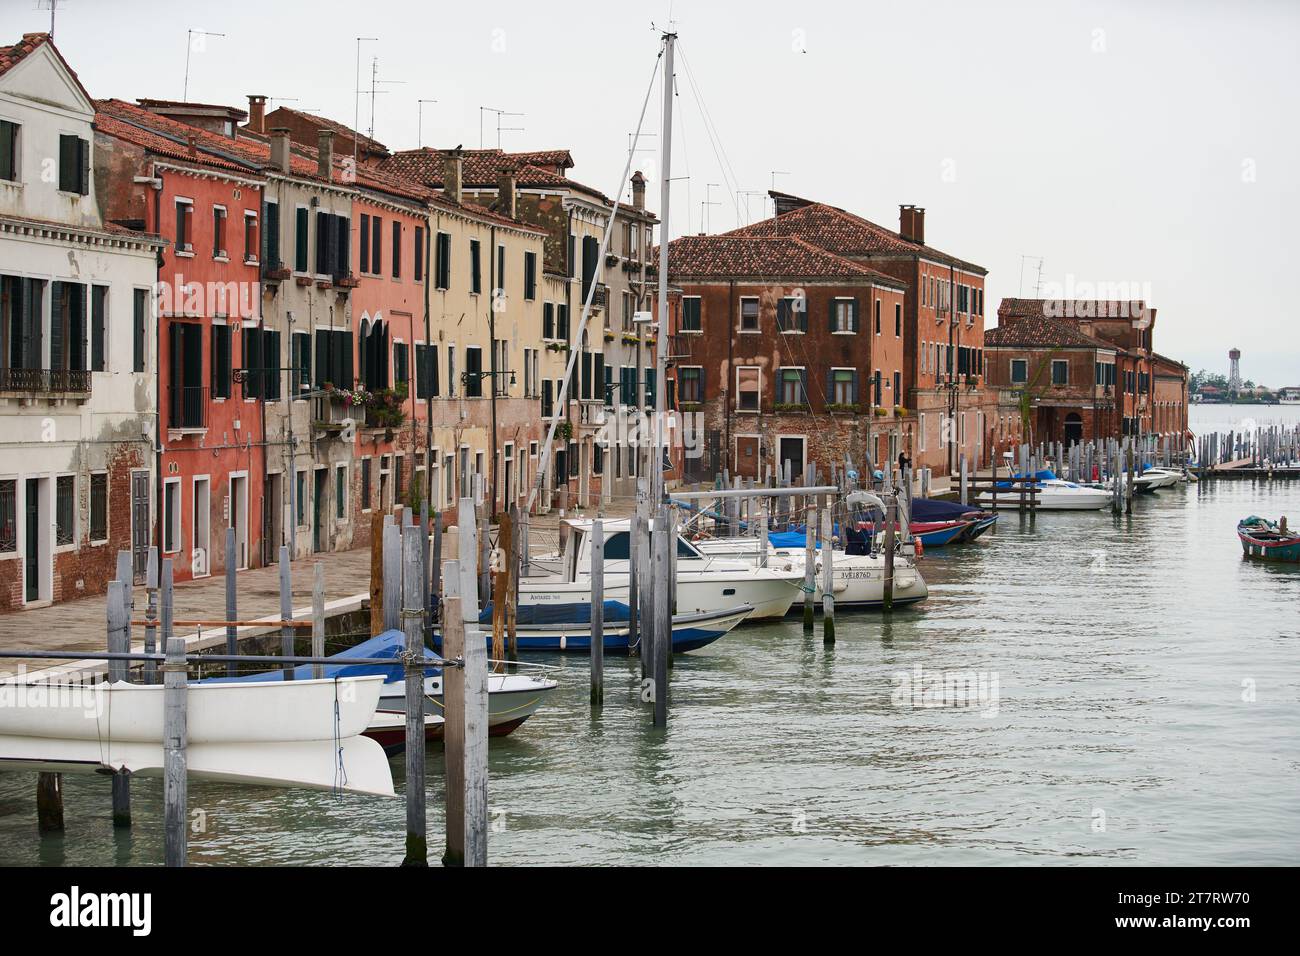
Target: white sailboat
pixel 300 733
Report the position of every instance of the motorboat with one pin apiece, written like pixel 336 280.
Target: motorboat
pixel 1054 494
pixel 705 583
pixel 300 733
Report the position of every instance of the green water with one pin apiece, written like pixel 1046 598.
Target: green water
pixel 1146 712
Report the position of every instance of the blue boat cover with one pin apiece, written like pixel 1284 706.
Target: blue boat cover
pixel 616 612
pixel 388 644
pixel 932 509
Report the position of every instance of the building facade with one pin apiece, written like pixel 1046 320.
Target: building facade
pixel 77 355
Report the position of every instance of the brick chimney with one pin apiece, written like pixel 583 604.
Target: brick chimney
pixel 506 192
pixel 325 154
pixel 257 113
pixel 911 223
pixel 638 191
pixel 280 149
pixel 453 173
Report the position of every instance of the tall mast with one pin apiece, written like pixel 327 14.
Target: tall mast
pixel 661 338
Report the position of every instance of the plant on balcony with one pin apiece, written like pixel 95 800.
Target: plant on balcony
pixel 348 281
pixel 385 408
pixel 357 397
pixel 609 336
pixel 900 411
pixel 690 406
pixel 564 430
pixel 881 411
pixel 630 338
pixel 304 281
pixel 788 407
pixel 843 407
pixel 277 273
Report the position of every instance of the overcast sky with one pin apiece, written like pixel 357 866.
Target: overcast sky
pixel 1149 146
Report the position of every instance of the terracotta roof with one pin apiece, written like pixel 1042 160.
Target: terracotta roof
pixel 1073 308
pixel 324 122
pixel 847 234
pixel 1041 332
pixel 731 256
pixel 11 56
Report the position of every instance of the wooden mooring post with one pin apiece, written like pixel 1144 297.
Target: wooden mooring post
pixel 828 572
pixel 151 615
pixel 286 610
pixel 662 543
pixel 49 802
pixel 809 564
pixel 119 642
pixel 175 735
pixel 392 576
pixel 598 613
pixel 417 848
pixel 232 602
pixel 318 618
pixel 891 519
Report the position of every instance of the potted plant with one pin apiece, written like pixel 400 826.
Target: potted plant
pixel 900 411
pixel 564 430
pixel 881 411
pixel 790 407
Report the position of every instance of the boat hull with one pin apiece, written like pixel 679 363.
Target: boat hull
pixel 1267 543
pixel 690 632
pixel 512 699
pixel 768 593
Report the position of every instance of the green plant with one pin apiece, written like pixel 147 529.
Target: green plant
pixel 843 407
pixel 900 411
pixel 881 411
pixel 790 407
pixel 564 430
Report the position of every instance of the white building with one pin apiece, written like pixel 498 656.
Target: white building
pixel 77 347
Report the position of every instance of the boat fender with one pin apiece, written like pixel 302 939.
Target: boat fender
pixel 904 581
pixel 920 547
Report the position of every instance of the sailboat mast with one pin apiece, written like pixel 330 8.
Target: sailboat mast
pixel 661 338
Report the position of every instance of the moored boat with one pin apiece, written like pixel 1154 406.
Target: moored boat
pixel 1268 540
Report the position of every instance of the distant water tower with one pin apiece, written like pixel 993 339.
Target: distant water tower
pixel 1234 371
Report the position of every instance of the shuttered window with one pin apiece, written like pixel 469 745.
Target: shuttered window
pixel 74 165
pixel 475 266
pixel 99 506
pixel 8 151
pixel 419 254
pixel 376 245
pixel 397 249
pixel 301 240
pixel 98 326
pixel 365 242
pixel 530 275
pixel 139 319
pixel 221 361
pixel 691 313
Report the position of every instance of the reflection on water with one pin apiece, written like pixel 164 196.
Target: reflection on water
pixel 1146 712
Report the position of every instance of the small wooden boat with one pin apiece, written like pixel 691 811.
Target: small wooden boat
pixel 1267 540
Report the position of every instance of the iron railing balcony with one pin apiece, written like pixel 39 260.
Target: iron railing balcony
pixel 187 407
pixel 48 381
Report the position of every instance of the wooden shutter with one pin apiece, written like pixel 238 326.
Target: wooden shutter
pixel 322 242
pixel 97 296
pixel 376 245
pixel 853 311
pixel 300 240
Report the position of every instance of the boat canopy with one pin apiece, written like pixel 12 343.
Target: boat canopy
pixel 616 612
pixel 933 509
pixel 388 644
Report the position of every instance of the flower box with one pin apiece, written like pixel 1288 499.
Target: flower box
pixel 790 408
pixel 347 282
pixel 278 273
pixel 304 281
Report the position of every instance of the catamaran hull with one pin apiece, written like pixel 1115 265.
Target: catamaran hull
pixel 512 699
pixel 770 595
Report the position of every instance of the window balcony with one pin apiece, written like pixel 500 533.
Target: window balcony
pixel 52 382
pixel 187 409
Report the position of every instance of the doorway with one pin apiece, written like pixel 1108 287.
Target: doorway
pixel 790 455
pixel 239 518
pixel 200 565
pixel 747 456
pixel 1073 429
pixel 139 525
pixel 320 490
pixel 32 540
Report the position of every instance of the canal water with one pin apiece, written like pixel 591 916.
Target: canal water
pixel 1120 690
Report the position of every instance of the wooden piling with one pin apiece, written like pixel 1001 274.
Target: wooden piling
pixel 151 617
pixel 49 802
pixel 232 601
pixel 809 566
pixel 119 642
pixel 597 613
pixel 515 528
pixel 417 849
pixel 376 572
pixel 286 610
pixel 828 577
pixel 392 577
pixel 663 615
pixel 175 735
pixel 318 618
pixel 453 712
pixel 633 586
pixel 891 519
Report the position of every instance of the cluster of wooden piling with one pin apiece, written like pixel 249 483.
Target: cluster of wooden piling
pixel 1268 448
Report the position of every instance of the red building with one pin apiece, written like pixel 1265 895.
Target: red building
pixel 949 413
pixel 202 190
pixel 793 355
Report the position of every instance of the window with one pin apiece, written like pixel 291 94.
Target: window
pixel 1060 371
pixel 301 240
pixel 920 432
pixel 1019 371
pixel 791 314
pixel 221 361
pixel 341 492
pixel 877 388
pixel 690 384
pixel 451 371
pixel 475 265
pixel 401 363
pixel 749 381
pixel 501 270
pixel 333 236
pixel 365 242
pixel 399 476
pixel 419 254
pixel 877 316
pixel 184 220
pixel 898 320
pixel 548 320
pixel 548 400
pixel 844 315
pixel 68 326
pixel 172 515
pixel 8 515
pixel 376 245
pixel 333 358
pixel 530 275
pixel 473 365
pixel 99 506
pixel 301 381
pixel 791 386
pixel 426 371
pixel 300 498
pixel 270 236
pixel 843 386
pixel 397 249
pixel 562 322
pixel 691 313
pixel 250 240
pixel 74 165
pixel 365 484
pixel 8 155
pixel 898 388
pixel 139 316
pixel 98 326
pixel 590 262
pixel 218 232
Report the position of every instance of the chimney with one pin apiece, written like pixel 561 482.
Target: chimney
pixel 911 223
pixel 257 113
pixel 325 154
pixel 506 192
pixel 280 149
pixel 453 173
pixel 638 191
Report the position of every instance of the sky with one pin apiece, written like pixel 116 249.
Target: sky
pixel 1138 150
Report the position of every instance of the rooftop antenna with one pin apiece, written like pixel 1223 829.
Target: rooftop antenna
pixel 54 6
pixel 775 173
pixel 356 99
pixel 374 81
pixel 1038 284
pixel 272 100
pixel 419 122
pixel 189 47
pixel 745 194
pixel 500 129
pixel 704 207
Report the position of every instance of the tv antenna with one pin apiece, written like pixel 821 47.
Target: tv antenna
pixel 374 82
pixel 500 129
pixel 189 47
pixel 1038 282
pixel 419 122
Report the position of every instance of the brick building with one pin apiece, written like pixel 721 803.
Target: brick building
pixel 792 353
pixel 943 319
pixel 1085 369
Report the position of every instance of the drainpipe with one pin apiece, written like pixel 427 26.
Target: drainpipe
pixel 492 361
pixel 428 398
pixel 157 359
pixel 731 370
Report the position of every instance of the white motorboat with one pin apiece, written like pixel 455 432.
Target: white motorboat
pixel 1054 494
pixel 512 698
pixel 705 583
pixel 300 733
pixel 1166 477
pixel 857 580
